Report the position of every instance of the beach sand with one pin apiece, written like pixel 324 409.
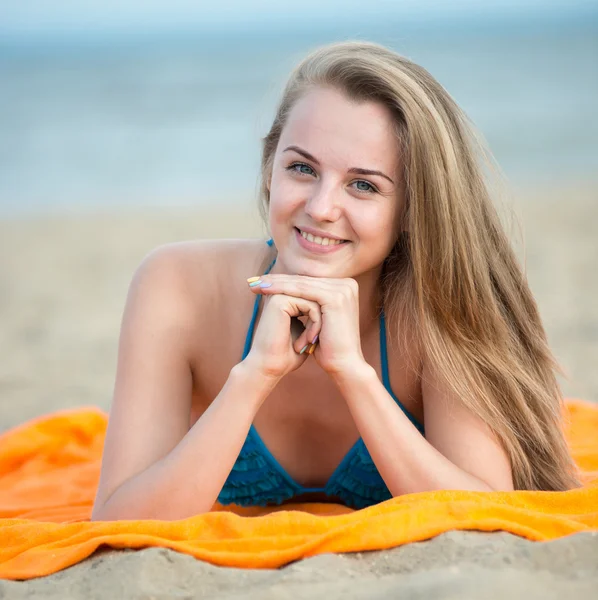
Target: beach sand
pixel 63 284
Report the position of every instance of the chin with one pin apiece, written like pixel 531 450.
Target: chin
pixel 309 269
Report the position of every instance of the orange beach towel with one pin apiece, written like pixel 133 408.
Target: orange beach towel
pixel 49 469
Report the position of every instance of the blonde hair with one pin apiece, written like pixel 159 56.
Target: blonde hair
pixel 452 278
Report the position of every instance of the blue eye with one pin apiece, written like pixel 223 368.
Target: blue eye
pixel 303 169
pixel 370 188
pixel 301 166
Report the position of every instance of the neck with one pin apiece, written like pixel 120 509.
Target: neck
pixel 369 300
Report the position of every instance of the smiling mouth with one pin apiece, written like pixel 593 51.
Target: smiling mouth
pixel 323 241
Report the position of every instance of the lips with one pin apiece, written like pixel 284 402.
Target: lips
pixel 320 238
pixel 314 248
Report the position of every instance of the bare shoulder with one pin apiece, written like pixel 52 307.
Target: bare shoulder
pixel 197 284
pixel 172 338
pixel 199 270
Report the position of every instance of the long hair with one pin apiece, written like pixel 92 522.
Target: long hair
pixel 452 278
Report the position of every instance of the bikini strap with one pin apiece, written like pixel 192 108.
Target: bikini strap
pixel 256 305
pixel 384 353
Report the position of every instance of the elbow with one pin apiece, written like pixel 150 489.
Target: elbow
pixel 500 483
pixel 114 512
pixel 98 514
pixel 497 486
pixel 105 509
pixel 108 512
pixel 119 511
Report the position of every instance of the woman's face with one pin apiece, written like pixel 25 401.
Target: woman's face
pixel 335 175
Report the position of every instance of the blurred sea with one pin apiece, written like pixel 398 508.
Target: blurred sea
pixel 176 119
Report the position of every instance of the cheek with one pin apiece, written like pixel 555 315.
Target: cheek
pixel 284 199
pixel 376 226
pixel 280 215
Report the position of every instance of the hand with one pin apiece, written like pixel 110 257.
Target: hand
pixel 339 343
pixel 280 341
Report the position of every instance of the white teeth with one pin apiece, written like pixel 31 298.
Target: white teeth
pixel 320 240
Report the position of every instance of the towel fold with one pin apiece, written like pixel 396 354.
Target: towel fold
pixel 49 470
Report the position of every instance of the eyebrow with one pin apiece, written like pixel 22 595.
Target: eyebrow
pixel 357 170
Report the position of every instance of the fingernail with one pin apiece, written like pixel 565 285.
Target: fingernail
pixel 315 339
pixel 252 279
pixel 265 284
pixel 254 283
pixel 304 348
pixel 312 349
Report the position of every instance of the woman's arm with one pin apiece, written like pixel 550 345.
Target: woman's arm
pixel 458 452
pixel 154 466
pixel 189 478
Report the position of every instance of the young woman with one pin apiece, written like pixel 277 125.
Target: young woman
pixel 384 341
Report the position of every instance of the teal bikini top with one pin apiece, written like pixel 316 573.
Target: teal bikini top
pixel 258 479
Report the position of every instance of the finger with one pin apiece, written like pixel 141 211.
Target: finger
pixel 312 331
pixel 294 308
pixel 309 336
pixel 286 277
pixel 314 323
pixel 304 341
pixel 319 289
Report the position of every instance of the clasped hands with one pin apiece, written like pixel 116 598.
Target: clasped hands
pixel 329 310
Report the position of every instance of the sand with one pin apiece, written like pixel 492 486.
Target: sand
pixel 453 565
pixel 63 283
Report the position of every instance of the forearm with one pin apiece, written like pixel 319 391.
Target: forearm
pixel 188 480
pixel 407 462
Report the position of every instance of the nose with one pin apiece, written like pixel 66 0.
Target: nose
pixel 323 204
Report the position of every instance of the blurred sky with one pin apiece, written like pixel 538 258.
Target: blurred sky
pixel 62 16
pixel 140 102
